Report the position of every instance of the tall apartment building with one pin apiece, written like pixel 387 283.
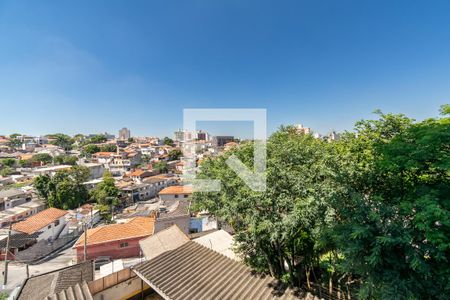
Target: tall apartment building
pixel 124 134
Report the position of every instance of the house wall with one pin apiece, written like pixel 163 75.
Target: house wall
pixel 172 197
pixel 111 249
pixel 123 290
pixel 54 230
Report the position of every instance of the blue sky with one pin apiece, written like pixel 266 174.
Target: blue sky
pixel 95 66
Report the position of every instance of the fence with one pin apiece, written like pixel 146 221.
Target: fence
pixel 103 283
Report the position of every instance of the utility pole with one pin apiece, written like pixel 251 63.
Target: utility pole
pixel 5 277
pixel 85 241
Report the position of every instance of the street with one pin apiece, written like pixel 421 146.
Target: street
pixel 17 271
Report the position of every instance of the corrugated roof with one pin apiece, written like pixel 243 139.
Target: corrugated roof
pixel 136 227
pixel 39 220
pixel 193 271
pixel 176 189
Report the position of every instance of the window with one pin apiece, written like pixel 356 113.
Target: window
pixel 49 226
pixel 123 245
pixel 56 222
pixel 185 196
pixel 176 196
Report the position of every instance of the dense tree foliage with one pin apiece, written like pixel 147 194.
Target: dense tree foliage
pixel 168 141
pixel 66 159
pixel 371 210
pixel 106 192
pixel 175 154
pixel 41 158
pixel 65 189
pixel 161 167
pixel 62 140
pixel 9 162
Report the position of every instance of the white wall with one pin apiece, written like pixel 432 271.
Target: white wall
pixel 53 231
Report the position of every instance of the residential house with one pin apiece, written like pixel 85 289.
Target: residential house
pixel 17 242
pixel 174 193
pixel 50 223
pixel 20 212
pixel 115 240
pixel 175 213
pixel 13 197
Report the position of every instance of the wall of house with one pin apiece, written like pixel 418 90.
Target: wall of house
pixel 111 249
pixel 123 290
pixel 52 231
pixel 173 197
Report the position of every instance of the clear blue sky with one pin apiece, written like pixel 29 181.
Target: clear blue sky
pixel 95 66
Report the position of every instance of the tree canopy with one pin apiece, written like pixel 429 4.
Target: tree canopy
pixel 370 211
pixel 65 189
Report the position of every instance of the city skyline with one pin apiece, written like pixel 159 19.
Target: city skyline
pixel 325 65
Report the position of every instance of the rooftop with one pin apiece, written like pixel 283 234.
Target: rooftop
pixel 136 227
pixel 39 220
pixel 47 284
pixel 176 189
pixel 167 239
pixel 193 271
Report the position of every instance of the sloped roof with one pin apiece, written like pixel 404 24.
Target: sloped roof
pixel 219 241
pixel 136 227
pixel 76 292
pixel 193 271
pixel 47 284
pixel 39 220
pixel 176 189
pixel 167 239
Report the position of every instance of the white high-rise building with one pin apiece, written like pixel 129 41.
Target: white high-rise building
pixel 124 134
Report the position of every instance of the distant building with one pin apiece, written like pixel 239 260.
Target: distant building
pixel 333 136
pixel 182 135
pixel 124 134
pixel 220 141
pixel 301 129
pixel 202 136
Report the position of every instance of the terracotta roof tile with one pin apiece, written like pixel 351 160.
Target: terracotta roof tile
pixel 176 189
pixel 39 220
pixel 136 227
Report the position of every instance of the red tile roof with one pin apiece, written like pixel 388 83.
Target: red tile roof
pixel 39 220
pixel 136 227
pixel 177 189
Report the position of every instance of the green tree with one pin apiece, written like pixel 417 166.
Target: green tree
pixel 91 149
pixel 14 140
pixel 65 189
pixel 175 154
pixel 62 140
pixel 6 171
pixel 108 148
pixel 393 223
pixel 66 159
pixel 277 231
pixel 130 140
pixel 9 162
pixel 106 193
pixel 168 141
pixel 42 158
pixel 161 167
